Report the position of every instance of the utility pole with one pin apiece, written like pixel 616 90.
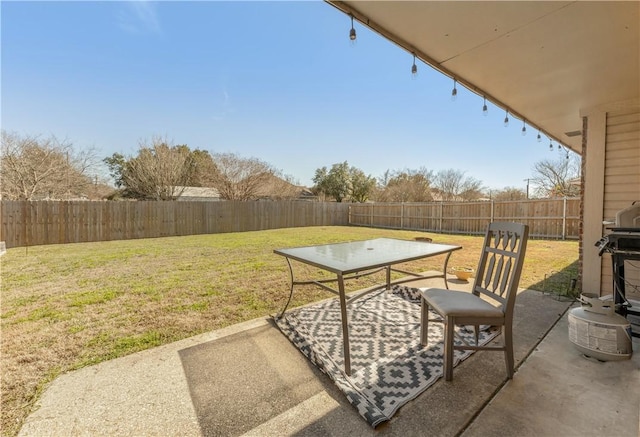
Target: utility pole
pixel 527 181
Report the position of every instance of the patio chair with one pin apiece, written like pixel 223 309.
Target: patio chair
pixel 491 301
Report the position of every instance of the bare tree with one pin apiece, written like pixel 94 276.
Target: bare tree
pixel 557 178
pixel 276 186
pixel 240 178
pixel 509 193
pixel 406 186
pixel 454 185
pixel 44 168
pixel 471 189
pixel 160 171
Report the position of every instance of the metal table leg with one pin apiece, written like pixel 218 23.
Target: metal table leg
pixel 290 291
pixel 345 325
pixel 444 271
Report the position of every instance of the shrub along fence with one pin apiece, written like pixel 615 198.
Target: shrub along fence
pixel 547 218
pixel 27 223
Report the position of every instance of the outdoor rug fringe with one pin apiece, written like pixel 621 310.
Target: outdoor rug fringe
pixel 389 367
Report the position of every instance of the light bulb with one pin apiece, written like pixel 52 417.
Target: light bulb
pixel 352 32
pixel 506 118
pixel 539 137
pixel 485 110
pixel 550 146
pixel 414 68
pixel 524 128
pixel 454 92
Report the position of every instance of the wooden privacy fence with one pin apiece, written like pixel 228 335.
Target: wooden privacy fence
pixel 547 218
pixel 27 223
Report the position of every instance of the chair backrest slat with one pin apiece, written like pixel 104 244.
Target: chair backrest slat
pixel 500 264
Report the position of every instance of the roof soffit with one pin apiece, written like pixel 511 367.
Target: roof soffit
pixel 545 61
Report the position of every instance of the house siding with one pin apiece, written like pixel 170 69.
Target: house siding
pixel 621 181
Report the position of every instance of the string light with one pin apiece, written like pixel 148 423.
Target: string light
pixel 454 95
pixel 414 68
pixel 352 32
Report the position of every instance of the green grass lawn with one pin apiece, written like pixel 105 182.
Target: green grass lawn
pixel 68 306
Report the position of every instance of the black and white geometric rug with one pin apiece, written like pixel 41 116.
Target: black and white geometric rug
pixel 389 367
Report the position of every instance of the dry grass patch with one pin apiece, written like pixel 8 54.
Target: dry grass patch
pixel 69 306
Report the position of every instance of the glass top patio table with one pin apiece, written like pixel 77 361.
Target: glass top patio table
pixel 354 259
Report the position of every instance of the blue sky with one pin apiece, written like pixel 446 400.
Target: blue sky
pixel 278 81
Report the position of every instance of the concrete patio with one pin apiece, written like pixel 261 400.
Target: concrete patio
pixel 248 379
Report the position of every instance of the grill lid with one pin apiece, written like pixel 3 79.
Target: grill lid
pixel 629 218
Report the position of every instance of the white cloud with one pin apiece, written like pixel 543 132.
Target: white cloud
pixel 139 16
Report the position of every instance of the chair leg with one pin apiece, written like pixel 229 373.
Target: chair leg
pixel 448 348
pixel 508 350
pixel 424 322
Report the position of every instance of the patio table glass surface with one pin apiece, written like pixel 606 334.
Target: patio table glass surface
pixel 355 256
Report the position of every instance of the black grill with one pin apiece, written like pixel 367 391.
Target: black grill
pixel 623 244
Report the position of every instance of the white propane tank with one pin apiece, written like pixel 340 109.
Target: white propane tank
pixel 598 332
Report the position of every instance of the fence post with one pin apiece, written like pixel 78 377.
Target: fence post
pixel 441 214
pixel 371 215
pixel 401 215
pixel 564 217
pixel 493 202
